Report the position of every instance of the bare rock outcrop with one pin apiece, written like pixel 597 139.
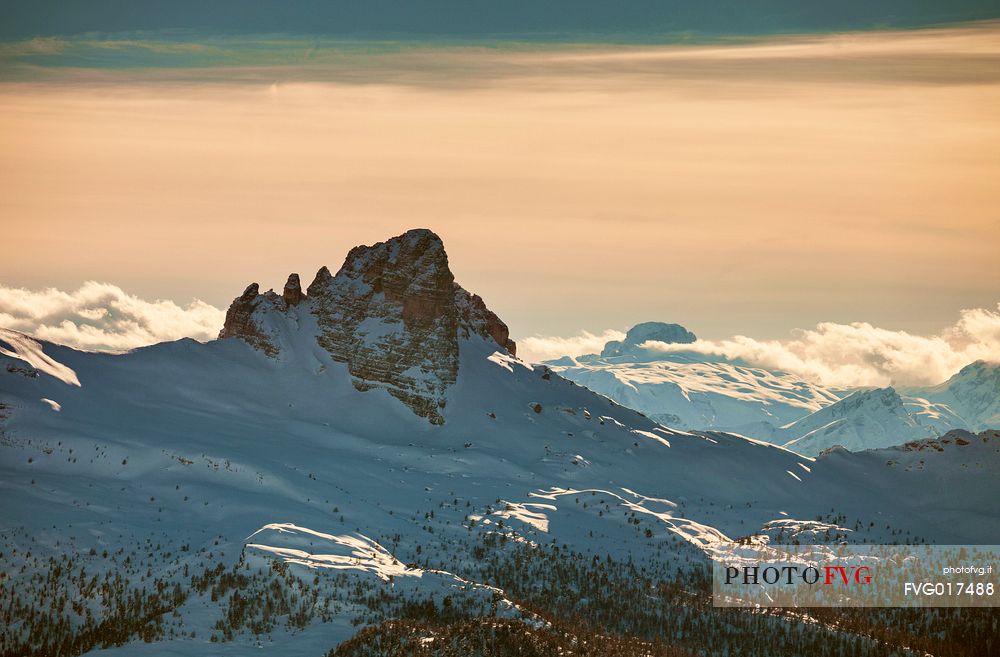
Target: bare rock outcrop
pixel 242 322
pixel 393 314
pixel 292 294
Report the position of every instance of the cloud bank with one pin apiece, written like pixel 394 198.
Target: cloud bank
pixel 103 317
pixel 860 354
pixel 539 347
pixel 839 355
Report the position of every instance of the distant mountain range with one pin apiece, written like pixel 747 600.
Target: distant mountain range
pixel 686 389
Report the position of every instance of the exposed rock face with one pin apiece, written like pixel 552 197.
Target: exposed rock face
pixel 241 322
pixel 640 333
pixel 393 314
pixel 475 317
pixel 292 294
pixel 960 437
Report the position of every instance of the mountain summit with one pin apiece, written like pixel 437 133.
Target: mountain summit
pixel 393 314
pixel 973 393
pixel 687 389
pixel 647 332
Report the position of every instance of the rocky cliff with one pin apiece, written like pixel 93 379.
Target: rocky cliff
pixel 393 314
pixel 244 318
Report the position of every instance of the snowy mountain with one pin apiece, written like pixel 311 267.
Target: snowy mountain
pixel 642 333
pixel 690 390
pixel 867 419
pixel 973 394
pixel 372 449
pixel 871 419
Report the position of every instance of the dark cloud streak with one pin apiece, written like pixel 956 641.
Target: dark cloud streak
pixel 942 56
pixel 589 20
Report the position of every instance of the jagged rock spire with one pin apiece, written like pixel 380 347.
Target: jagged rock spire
pixel 292 294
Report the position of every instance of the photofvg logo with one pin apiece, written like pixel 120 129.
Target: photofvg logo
pixel 846 574
pixel 855 576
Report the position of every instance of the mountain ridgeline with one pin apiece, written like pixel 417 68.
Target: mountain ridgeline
pixel 658 370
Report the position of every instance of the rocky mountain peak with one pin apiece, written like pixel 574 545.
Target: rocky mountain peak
pixel 410 270
pixel 393 314
pixel 645 332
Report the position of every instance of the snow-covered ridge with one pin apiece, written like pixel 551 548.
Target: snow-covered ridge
pixel 871 419
pixel 867 419
pixel 691 390
pixel 20 346
pixel 345 552
pixel 973 394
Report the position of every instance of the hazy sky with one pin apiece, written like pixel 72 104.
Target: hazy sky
pixel 747 188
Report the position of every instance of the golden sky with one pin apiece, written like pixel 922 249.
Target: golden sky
pixel 744 188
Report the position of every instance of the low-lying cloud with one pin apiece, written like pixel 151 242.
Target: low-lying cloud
pixel 103 317
pixel 839 355
pixel 540 347
pixel 860 354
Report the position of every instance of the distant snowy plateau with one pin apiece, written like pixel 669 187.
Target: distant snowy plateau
pixel 373 440
pixel 651 371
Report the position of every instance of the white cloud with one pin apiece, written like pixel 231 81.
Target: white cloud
pixel 839 355
pixel 860 354
pixel 103 317
pixel 539 347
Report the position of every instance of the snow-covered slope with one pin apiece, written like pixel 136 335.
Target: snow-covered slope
pixel 690 390
pixel 179 468
pixel 973 394
pixel 870 419
pixel 693 391
pixel 867 419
